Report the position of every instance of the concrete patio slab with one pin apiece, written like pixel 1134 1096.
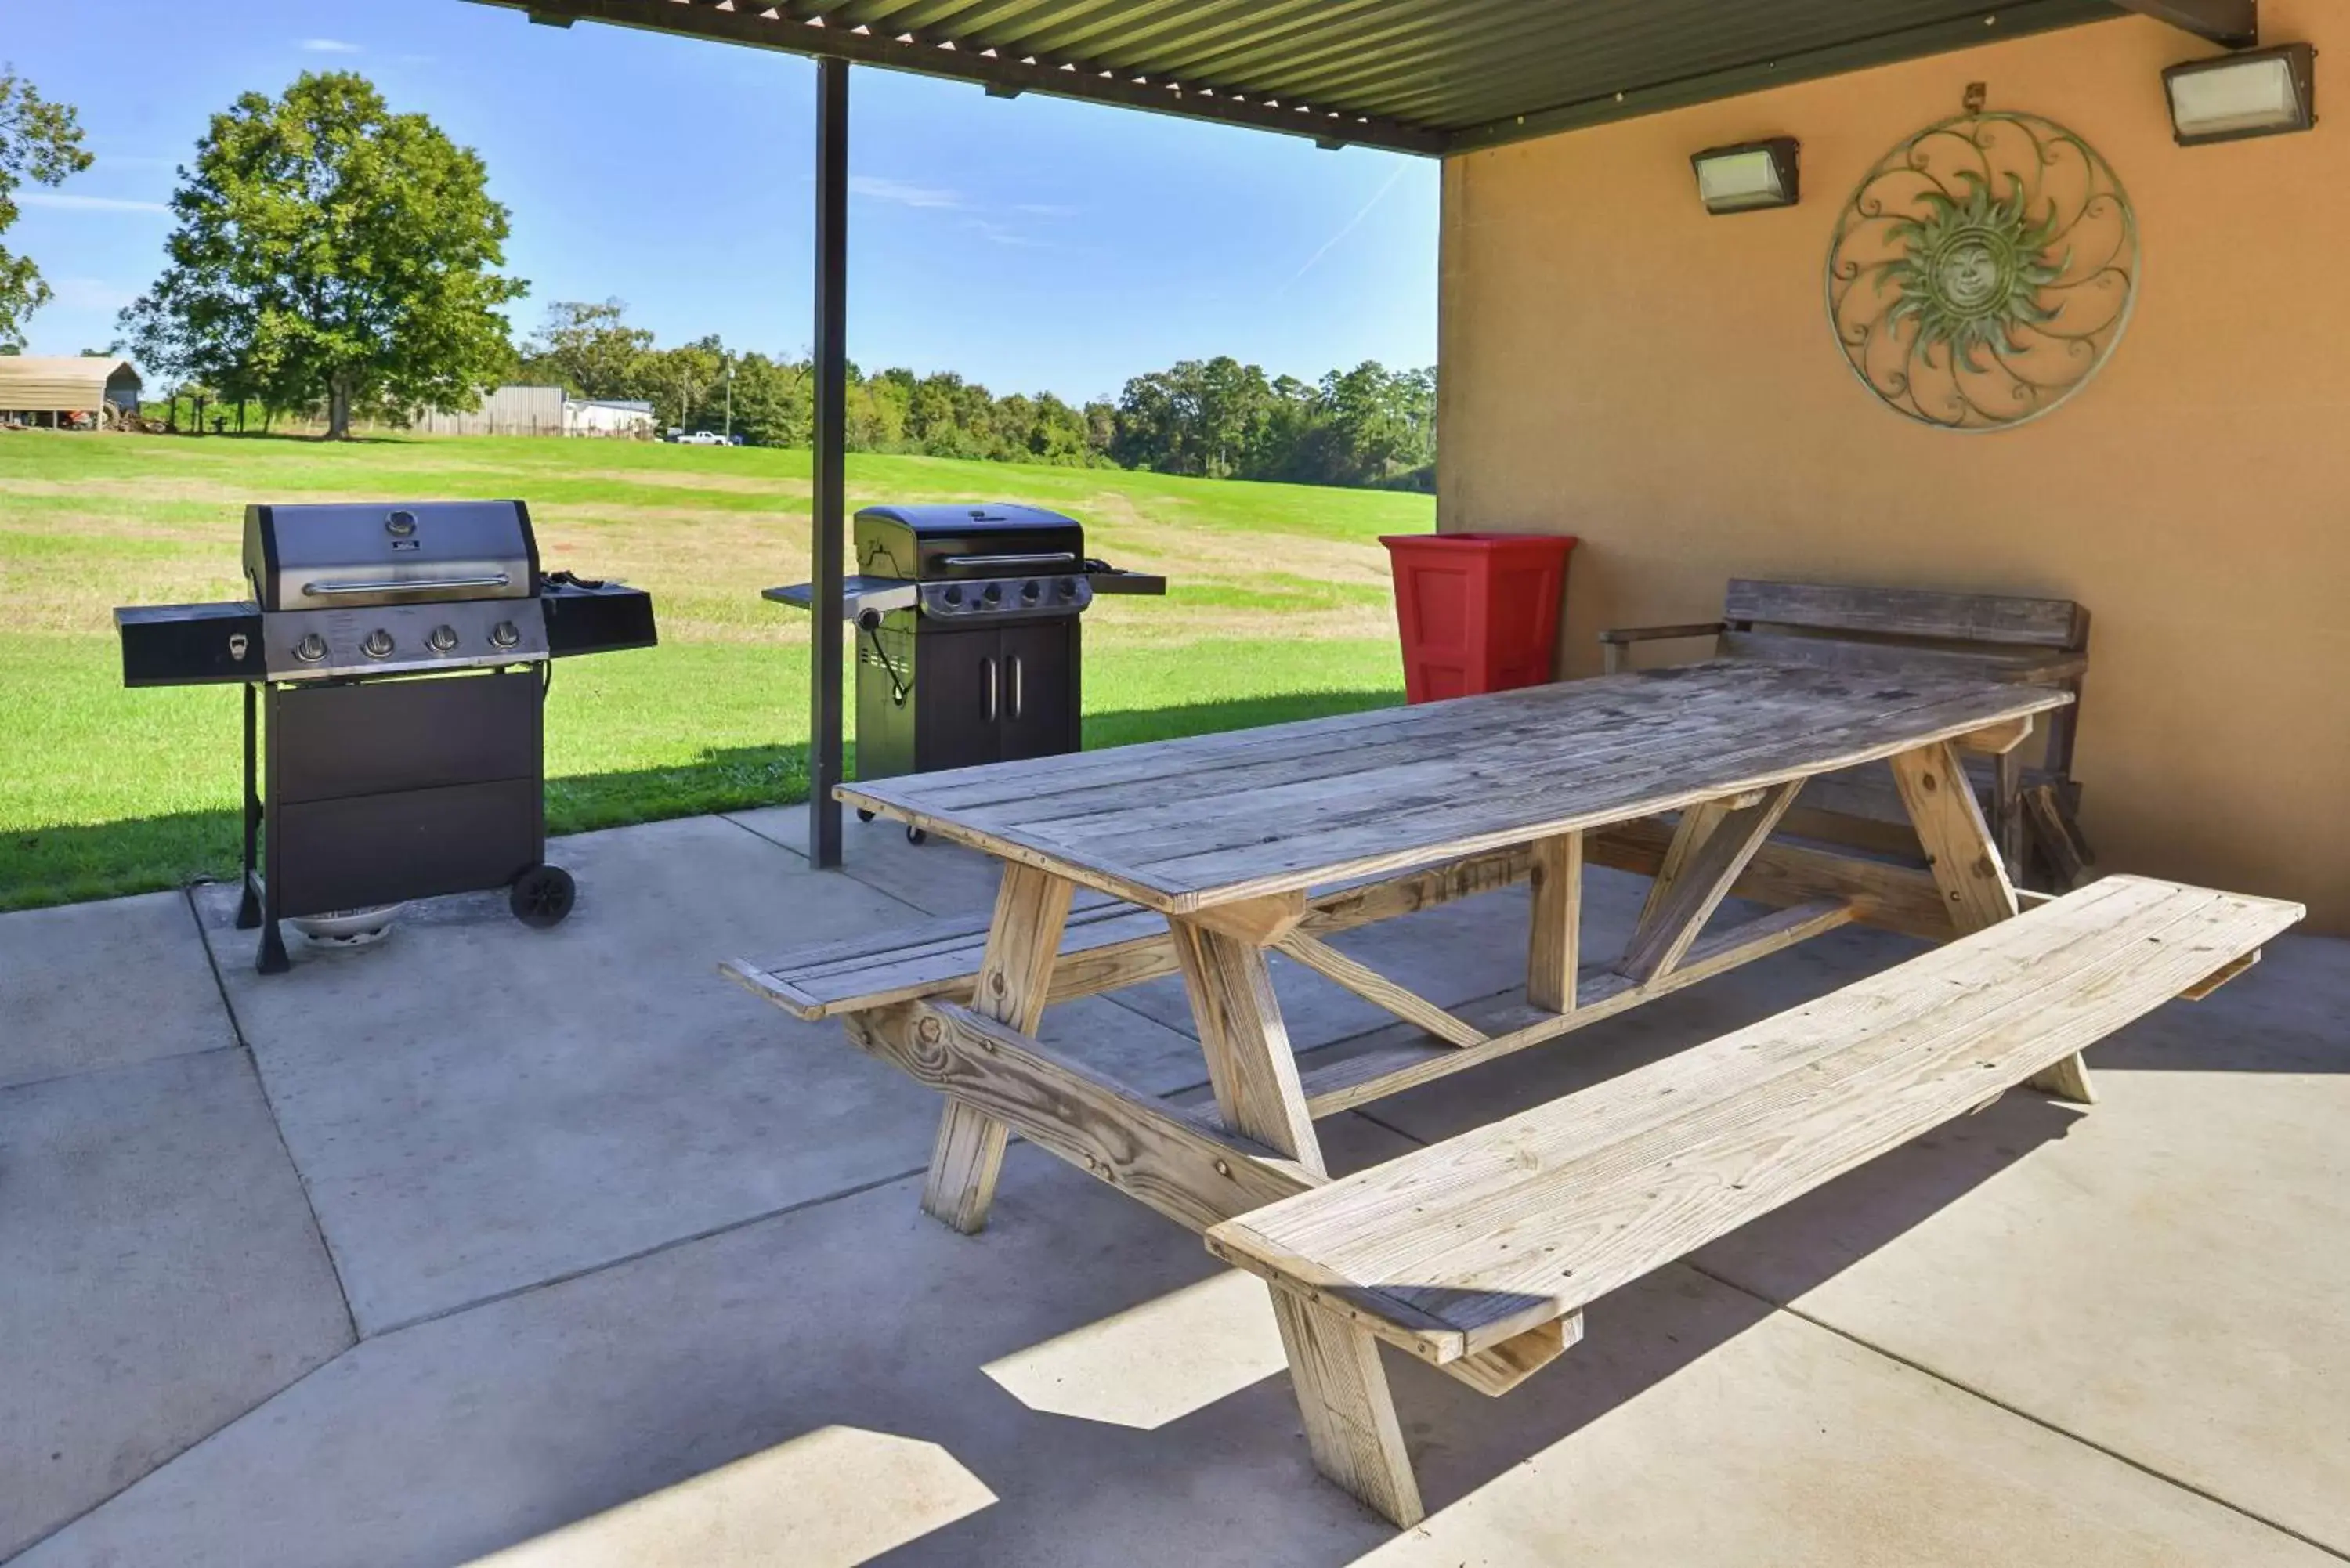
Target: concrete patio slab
pixel 479 1106
pixel 934 878
pixel 1790 1447
pixel 831 1383
pixel 2164 1275
pixel 87 986
pixel 160 1276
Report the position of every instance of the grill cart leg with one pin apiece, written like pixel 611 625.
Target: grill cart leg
pixel 248 908
pixel 271 959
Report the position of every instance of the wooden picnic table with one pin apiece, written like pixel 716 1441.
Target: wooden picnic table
pixel 1183 826
pixel 1202 856
pixel 1225 834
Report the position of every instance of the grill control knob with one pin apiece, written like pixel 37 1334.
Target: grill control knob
pixel 993 595
pixel 377 644
pixel 953 595
pixel 1029 590
pixel 1068 587
pixel 505 634
pixel 441 638
pixel 311 649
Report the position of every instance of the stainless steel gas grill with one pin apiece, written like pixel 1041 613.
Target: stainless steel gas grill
pixel 968 648
pixel 395 664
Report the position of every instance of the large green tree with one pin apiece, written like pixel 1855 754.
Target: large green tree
pixel 588 349
pixel 330 251
pixel 40 141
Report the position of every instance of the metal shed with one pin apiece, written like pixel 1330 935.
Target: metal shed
pixel 31 385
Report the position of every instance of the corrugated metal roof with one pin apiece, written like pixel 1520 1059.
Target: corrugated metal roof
pixel 1418 76
pixel 35 384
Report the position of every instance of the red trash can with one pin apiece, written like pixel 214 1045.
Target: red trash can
pixel 1479 612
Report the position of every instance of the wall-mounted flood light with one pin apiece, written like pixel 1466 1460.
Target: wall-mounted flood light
pixel 2260 92
pixel 1748 177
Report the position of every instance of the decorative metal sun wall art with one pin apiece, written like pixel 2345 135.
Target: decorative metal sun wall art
pixel 1983 271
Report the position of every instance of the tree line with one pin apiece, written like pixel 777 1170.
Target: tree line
pixel 332 255
pixel 1216 418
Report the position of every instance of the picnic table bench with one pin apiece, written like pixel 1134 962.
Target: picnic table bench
pixel 2033 804
pixel 1203 855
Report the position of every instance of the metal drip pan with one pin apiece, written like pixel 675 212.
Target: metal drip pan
pixel 348 928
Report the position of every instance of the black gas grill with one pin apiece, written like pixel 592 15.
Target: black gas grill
pixel 967 633
pixel 399 656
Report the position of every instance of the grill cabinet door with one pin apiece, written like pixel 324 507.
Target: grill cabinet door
pixel 958 698
pixel 1040 701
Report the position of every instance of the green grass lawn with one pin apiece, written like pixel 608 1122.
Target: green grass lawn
pixel 105 791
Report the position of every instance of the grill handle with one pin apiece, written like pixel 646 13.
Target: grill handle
pixel 1043 558
pixel 991 705
pixel 407 586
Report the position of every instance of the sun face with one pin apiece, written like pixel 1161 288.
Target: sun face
pixel 1971 271
pixel 1982 270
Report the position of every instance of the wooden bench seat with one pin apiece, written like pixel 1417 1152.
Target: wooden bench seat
pixel 1910 634
pixel 1462 1246
pixel 1106 944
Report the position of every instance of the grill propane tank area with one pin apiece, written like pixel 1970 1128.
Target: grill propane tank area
pixel 396 660
pixel 967 645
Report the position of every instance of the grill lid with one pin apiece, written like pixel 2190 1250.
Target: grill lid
pixel 347 554
pixel 938 542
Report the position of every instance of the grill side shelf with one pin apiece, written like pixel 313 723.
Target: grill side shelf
pixel 1112 580
pixel 857 595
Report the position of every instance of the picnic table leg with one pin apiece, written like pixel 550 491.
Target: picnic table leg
pixel 1342 1389
pixel 1553 946
pixel 1031 906
pixel 1350 1419
pixel 1966 864
pixel 1251 1064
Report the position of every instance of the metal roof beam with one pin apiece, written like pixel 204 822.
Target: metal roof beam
pixel 744 24
pixel 2233 24
pixel 2013 20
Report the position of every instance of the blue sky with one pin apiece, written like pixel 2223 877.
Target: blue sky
pixel 1032 244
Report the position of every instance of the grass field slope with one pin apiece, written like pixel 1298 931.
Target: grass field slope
pixel 1278 608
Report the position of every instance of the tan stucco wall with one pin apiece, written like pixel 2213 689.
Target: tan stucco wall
pixel 1619 365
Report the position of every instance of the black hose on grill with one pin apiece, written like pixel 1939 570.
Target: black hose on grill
pixel 869 625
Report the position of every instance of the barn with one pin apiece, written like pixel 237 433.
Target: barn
pixel 51 391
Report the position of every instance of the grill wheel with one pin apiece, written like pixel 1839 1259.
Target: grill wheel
pixel 542 895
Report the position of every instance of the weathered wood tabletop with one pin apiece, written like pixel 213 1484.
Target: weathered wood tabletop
pixel 1182 826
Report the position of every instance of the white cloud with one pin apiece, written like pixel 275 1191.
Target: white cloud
pixel 1003 235
pixel 328 47
pixel 68 201
pixel 875 189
